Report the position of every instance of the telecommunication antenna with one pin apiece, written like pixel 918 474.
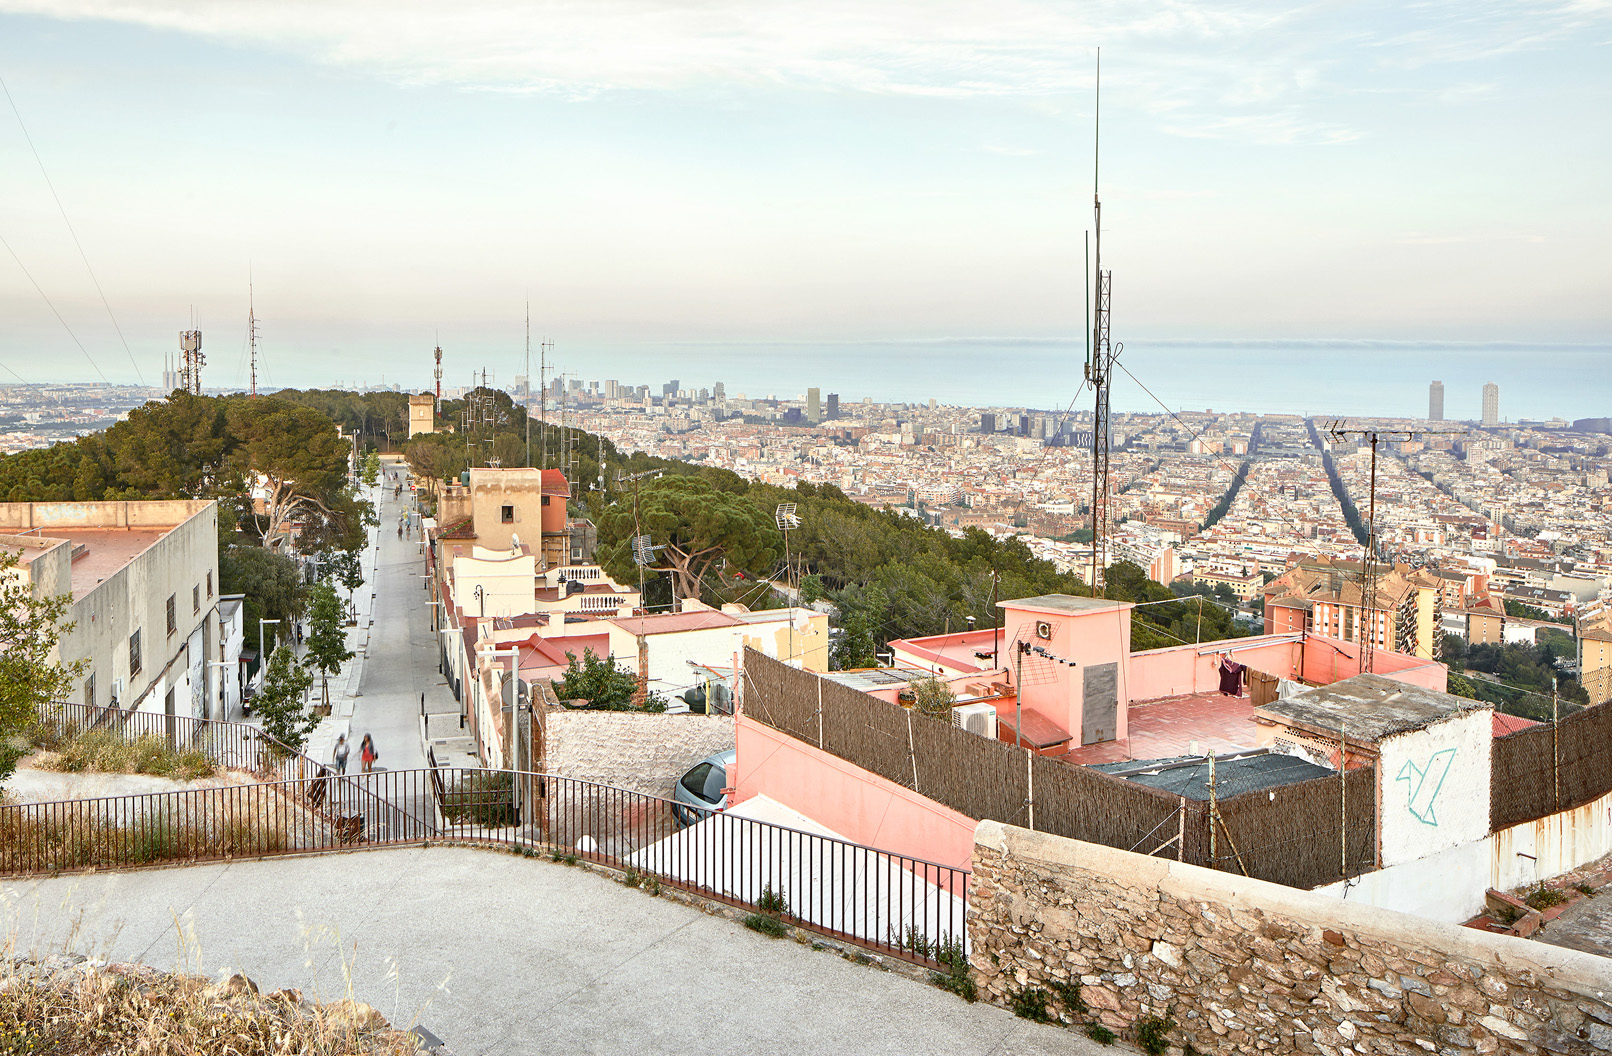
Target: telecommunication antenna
pixel 543 398
pixel 437 373
pixel 1369 561
pixel 251 330
pixel 526 386
pixel 1100 360
pixel 190 344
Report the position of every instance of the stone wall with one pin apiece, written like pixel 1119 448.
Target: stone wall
pixel 641 752
pixel 1242 965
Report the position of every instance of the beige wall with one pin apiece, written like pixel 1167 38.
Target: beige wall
pixel 644 753
pixel 134 597
pixel 1243 965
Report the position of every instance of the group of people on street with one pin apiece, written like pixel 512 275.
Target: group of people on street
pixel 366 754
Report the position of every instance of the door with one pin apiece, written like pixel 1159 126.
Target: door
pixel 1099 704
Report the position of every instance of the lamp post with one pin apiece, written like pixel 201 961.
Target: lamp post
pixel 262 652
pixel 224 663
pixel 513 762
pixel 481 596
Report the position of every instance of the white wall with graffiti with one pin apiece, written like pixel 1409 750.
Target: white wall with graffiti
pixel 1433 788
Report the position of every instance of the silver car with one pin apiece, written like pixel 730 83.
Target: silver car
pixel 701 788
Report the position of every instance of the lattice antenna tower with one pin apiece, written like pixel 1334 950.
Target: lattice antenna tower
pixel 251 330
pixel 190 347
pixel 543 398
pixel 437 371
pixel 1099 362
pixel 526 386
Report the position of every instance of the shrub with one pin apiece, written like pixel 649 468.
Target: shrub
pixel 956 978
pixel 1100 1034
pixel 1030 1003
pixel 1153 1033
pixel 485 797
pixel 1068 992
pixel 766 924
pixel 1542 897
pixel 773 903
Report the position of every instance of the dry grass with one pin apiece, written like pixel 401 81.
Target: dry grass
pixel 120 1009
pixel 219 823
pixel 104 752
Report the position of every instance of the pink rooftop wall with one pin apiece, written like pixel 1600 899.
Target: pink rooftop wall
pixel 1088 638
pixel 1180 669
pixel 861 806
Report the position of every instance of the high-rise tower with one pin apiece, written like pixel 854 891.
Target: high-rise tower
pixel 814 405
pixel 1491 404
pixel 1435 402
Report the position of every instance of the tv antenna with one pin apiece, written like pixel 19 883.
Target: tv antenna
pixel 1369 561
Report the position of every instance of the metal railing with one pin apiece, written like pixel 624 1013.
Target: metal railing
pixel 896 904
pixel 233 745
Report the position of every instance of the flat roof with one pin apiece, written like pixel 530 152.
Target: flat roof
pixel 672 622
pixel 106 551
pixel 871 678
pixel 1369 708
pixel 1188 776
pixel 1064 604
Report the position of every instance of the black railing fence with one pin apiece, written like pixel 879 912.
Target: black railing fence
pixel 888 902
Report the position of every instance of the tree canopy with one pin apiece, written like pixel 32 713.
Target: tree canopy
pixel 699 527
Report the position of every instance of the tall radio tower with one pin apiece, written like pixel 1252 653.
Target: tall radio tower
pixel 251 331
pixel 1099 364
pixel 438 371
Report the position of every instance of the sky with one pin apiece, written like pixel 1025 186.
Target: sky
pixel 766 189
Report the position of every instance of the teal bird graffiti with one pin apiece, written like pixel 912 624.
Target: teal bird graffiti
pixel 1425 782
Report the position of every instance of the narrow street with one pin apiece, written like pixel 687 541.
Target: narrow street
pixel 379 691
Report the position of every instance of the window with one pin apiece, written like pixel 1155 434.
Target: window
pixel 209 583
pixel 89 689
pixel 134 654
pixel 509 515
pixel 195 598
pixel 545 500
pixel 173 621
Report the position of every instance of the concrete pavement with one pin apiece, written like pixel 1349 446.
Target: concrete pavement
pixel 504 955
pixel 378 692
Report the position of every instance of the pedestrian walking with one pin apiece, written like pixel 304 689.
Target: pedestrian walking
pixel 367 754
pixel 341 754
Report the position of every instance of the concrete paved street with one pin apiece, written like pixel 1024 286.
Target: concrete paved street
pixel 504 955
pixel 379 691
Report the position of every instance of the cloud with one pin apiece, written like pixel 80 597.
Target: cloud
pixel 1250 70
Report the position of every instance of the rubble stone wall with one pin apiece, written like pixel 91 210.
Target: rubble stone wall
pixel 641 752
pixel 1241 965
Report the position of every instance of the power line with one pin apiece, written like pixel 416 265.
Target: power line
pixel 82 255
pixel 58 315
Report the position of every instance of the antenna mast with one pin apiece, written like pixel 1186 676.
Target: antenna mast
pixel 1099 361
pixel 251 329
pixel 437 352
pixel 543 398
pixel 526 386
pixel 190 372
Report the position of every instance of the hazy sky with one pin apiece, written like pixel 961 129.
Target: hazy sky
pixel 833 170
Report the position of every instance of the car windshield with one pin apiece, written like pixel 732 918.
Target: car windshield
pixel 715 782
pixel 695 780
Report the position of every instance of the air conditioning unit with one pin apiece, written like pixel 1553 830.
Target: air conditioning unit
pixel 976 718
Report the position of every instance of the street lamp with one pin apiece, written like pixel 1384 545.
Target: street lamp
pixel 224 663
pixel 481 596
pixel 263 654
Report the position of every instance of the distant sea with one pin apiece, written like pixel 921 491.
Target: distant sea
pixel 1301 377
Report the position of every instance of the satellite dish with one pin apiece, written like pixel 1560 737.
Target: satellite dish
pixel 514 541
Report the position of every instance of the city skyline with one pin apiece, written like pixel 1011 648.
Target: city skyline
pixel 834 178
